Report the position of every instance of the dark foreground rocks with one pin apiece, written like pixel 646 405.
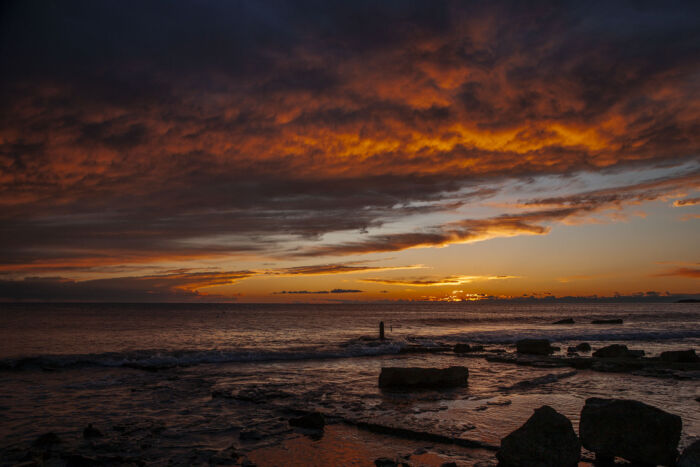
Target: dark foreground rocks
pixel 607 321
pixel 565 321
pixel 534 346
pixel 617 351
pixel 631 430
pixel 396 377
pixel 466 348
pixel 546 439
pixel 680 356
pixel 691 456
pixel 312 421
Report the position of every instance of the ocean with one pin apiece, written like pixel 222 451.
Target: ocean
pixel 187 384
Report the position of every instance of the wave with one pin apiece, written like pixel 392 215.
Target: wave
pixel 556 335
pixel 163 359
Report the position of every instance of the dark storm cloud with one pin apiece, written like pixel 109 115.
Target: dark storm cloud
pixel 167 287
pixel 182 130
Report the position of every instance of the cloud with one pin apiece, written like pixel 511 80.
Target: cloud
pixel 334 291
pixel 336 268
pixel 255 127
pixel 686 202
pixel 433 282
pixel 168 287
pixel 570 209
pixel 689 272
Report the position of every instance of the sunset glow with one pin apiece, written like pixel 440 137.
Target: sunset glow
pixel 281 152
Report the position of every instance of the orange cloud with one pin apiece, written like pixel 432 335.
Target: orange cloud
pixel 429 282
pixel 693 273
pixel 686 202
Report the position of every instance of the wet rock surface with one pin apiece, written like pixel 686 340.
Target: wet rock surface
pixel 546 439
pixel 631 430
pixel 534 346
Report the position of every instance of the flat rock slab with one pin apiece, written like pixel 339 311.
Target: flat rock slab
pixel 412 377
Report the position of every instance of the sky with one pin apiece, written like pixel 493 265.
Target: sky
pixel 348 151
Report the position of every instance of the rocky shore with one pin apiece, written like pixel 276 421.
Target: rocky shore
pixel 607 429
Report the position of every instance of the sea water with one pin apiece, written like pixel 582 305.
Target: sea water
pixel 166 382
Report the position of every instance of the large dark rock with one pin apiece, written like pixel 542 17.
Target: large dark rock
pixel 534 346
pixel 680 356
pixel 565 321
pixel 546 439
pixel 629 429
pixel 691 456
pixel 617 351
pixel 313 421
pixel 583 347
pixel 423 377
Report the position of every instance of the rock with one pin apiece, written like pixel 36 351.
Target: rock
pixel 565 321
pixel 47 439
pixel 617 351
pixel 466 348
pixel 78 460
pixel 385 462
pixel 423 377
pixel 250 435
pixel 583 347
pixel 629 429
pixel 534 346
pixel 680 356
pixel 91 432
pixel 546 439
pixel 571 350
pixel 313 421
pixel 691 456
pixel 607 321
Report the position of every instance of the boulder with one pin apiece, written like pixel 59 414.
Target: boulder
pixel 466 348
pixel 617 351
pixel 534 346
pixel 546 439
pixel 583 347
pixel 313 421
pixel 607 321
pixel 629 429
pixel 691 456
pixel 423 377
pixel 565 321
pixel 680 356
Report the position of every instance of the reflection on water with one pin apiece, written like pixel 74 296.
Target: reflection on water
pixel 206 397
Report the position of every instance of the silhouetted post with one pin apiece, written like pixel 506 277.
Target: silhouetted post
pixel 381 330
